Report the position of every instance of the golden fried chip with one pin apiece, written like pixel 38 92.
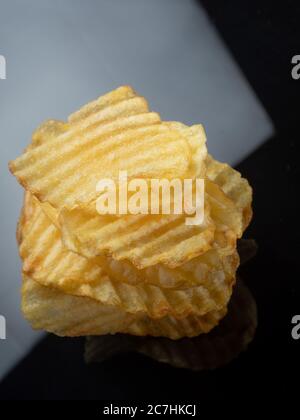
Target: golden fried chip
pixel 207 351
pixel 47 131
pixel 233 185
pixel 114 133
pixel 204 270
pixel 146 237
pixel 67 315
pixel 147 240
pixel 173 328
pixel 196 138
pixel 143 274
pixel 144 240
pixel 46 261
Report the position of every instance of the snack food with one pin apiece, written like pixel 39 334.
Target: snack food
pixel 206 351
pixel 115 132
pixel 140 274
pixel 49 263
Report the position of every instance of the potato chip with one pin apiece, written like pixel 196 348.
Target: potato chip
pixel 104 101
pixel 173 328
pixel 144 240
pixel 116 132
pixel 207 351
pixel 196 138
pixel 147 240
pixel 46 261
pixel 67 315
pixel 141 274
pixel 47 131
pixel 144 237
pixel 200 271
pixel 234 186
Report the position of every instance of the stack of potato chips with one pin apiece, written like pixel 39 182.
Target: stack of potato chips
pixel 142 274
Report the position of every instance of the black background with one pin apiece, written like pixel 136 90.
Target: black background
pixel 263 37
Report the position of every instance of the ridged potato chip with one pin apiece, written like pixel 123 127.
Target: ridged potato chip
pixel 140 274
pixel 116 132
pixel 200 271
pixel 147 240
pixel 207 351
pixel 233 185
pixel 173 328
pixel 145 237
pixel 48 309
pixel 46 132
pixel 205 270
pixel 46 261
pixel 196 138
pixel 144 240
pixel 67 315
